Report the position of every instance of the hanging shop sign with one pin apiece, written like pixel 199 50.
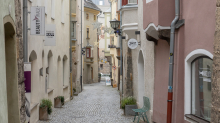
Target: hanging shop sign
pixel 50 37
pixel 114 67
pixel 37 20
pixel 132 43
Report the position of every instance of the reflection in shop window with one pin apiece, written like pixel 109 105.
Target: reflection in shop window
pixel 132 1
pixel 201 87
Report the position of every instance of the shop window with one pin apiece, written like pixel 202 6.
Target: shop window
pixel 201 88
pixel 87 16
pixel 132 1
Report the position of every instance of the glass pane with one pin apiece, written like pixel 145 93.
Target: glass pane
pixel 201 88
pixel 132 1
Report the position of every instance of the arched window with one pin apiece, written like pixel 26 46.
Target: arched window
pixel 201 71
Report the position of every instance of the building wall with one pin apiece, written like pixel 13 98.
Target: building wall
pixel 9 100
pixel 92 41
pixel 50 56
pixel 189 38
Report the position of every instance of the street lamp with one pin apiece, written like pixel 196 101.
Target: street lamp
pixel 115 24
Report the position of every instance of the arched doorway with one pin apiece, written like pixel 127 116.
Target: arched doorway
pixel 141 84
pixel 9 88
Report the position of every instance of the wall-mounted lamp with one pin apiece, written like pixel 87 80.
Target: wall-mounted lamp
pixel 115 24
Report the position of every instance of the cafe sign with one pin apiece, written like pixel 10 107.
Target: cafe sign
pixel 132 43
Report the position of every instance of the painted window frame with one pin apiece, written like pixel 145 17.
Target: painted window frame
pixel 87 16
pixel 197 58
pixel 53 9
pixel 88 52
pixel 187 78
pixel 62 12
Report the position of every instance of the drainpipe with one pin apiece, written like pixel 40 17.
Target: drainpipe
pixel 121 55
pixel 172 38
pixel 25 29
pixel 81 49
pixel 71 86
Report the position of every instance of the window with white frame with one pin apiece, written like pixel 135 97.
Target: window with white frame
pixel 201 98
pixel 62 11
pixel 132 1
pixel 53 9
pixel 147 1
pixel 100 2
pixel 45 4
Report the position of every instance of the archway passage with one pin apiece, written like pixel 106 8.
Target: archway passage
pixel 11 74
pixel 141 84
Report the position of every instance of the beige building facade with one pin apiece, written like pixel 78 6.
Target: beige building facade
pixel 90 64
pixel 52 60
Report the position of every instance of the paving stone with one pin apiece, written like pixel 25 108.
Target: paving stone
pixel 96 104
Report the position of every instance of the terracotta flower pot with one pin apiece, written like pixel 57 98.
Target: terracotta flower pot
pixel 43 115
pixel 57 103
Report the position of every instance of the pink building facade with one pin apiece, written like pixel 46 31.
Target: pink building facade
pixel 193 53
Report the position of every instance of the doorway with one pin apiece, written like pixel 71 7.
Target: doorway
pixel 92 74
pixel 141 84
pixel 11 74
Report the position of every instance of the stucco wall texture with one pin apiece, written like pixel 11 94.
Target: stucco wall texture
pixel 8 98
pixel 54 57
pixel 87 67
pixel 197 33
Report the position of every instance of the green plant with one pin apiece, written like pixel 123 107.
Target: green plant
pixel 128 101
pixel 62 99
pixel 74 89
pixel 100 74
pixel 46 103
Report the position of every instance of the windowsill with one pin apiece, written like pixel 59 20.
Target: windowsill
pixel 197 119
pixel 33 105
pixel 63 22
pixel 65 86
pixel 49 90
pixel 52 18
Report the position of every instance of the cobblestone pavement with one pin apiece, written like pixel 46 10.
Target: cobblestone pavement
pixel 96 104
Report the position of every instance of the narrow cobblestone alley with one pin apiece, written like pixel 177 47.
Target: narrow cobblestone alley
pixel 96 104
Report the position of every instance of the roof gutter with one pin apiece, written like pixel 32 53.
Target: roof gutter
pixel 176 23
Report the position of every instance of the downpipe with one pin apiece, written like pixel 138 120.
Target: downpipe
pixel 171 63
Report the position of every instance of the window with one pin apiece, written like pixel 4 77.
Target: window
pixel 87 52
pixel 87 16
pixel 53 9
pixel 201 87
pixel 87 31
pixel 112 40
pixel 100 2
pixel 132 1
pixel 73 30
pixel 101 66
pixel 94 17
pixel 62 11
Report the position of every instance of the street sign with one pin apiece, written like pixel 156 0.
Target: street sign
pixel 132 43
pixel 114 67
pixel 50 37
pixel 37 20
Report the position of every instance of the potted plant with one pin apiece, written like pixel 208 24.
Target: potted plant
pixel 129 103
pixel 57 102
pixel 99 77
pixel 62 99
pixel 45 109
